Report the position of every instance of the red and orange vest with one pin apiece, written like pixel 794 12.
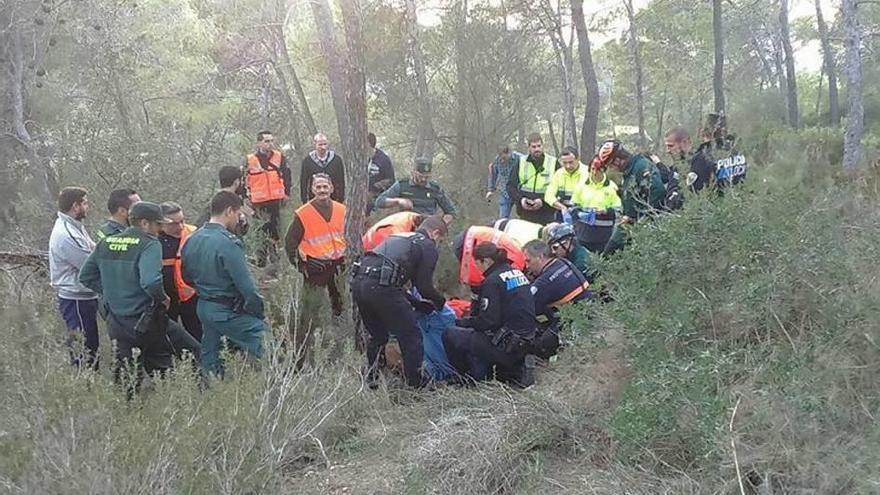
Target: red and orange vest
pixel 322 239
pixel 397 223
pixel 469 273
pixel 184 292
pixel 265 185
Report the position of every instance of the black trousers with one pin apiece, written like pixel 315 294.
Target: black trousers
pixel 472 354
pixel 157 348
pixel 186 314
pixel 269 213
pixel 385 310
pixel 544 215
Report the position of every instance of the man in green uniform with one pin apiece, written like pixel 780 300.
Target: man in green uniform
pixel 229 305
pixel 418 193
pixel 118 203
pixel 642 191
pixel 126 269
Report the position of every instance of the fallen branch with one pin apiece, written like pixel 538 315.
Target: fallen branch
pixel 18 260
pixel 739 477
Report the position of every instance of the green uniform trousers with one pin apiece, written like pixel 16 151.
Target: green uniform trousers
pixel 244 331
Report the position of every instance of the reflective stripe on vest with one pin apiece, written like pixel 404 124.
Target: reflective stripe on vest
pixel 322 239
pixel 596 195
pixel 571 295
pixel 184 292
pixel 468 272
pixel 396 223
pixel 265 185
pixel 530 180
pixel 522 231
pixel 567 184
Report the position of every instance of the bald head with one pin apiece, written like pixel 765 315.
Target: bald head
pixel 321 144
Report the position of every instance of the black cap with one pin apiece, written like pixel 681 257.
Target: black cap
pixel 423 165
pixel 145 210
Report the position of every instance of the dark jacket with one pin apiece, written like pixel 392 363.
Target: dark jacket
pixel 425 199
pixel 126 269
pixel 703 165
pixel 381 172
pixel 331 165
pixel 416 254
pixel 504 301
pixel 559 283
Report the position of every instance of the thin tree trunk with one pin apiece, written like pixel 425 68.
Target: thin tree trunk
pixel 819 92
pixel 287 74
pixel 718 74
pixel 552 20
pixel 828 58
pixel 661 118
pixel 425 136
pixel 335 65
pixel 461 89
pixel 780 68
pixel 639 75
pixel 39 167
pixel 552 132
pixel 294 125
pixel 791 96
pixel 585 55
pixel 855 116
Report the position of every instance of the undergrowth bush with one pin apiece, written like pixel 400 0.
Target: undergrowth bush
pixel 767 300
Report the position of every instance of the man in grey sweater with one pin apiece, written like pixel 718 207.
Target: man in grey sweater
pixel 69 246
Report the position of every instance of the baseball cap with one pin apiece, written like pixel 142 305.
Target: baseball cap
pixel 423 165
pixel 145 210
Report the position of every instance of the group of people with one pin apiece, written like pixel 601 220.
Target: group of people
pixel 170 288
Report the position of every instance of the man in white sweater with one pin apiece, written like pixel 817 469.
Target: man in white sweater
pixel 69 246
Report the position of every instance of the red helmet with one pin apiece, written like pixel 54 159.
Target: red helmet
pixel 608 151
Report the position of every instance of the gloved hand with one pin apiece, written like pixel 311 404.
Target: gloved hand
pixel 566 216
pixel 423 306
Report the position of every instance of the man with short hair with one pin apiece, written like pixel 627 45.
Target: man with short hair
pixel 529 180
pixel 118 203
pixel 183 297
pixel 565 181
pixel 231 180
pixel 268 184
pixel 564 244
pixel 315 244
pixel 678 145
pixel 499 174
pixel 381 172
pixel 642 190
pixel 229 304
pixel 126 269
pixel 69 247
pixel 418 193
pixel 729 166
pixel 555 283
pixel 322 160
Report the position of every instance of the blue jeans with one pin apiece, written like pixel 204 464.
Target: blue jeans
pixel 505 206
pixel 81 317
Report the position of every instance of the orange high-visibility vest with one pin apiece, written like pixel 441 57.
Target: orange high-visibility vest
pixel 322 239
pixel 184 292
pixel 397 223
pixel 265 185
pixel 469 273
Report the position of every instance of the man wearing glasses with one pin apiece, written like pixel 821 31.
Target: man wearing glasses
pixel 183 297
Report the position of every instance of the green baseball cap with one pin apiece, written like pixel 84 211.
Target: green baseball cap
pixel 423 165
pixel 145 210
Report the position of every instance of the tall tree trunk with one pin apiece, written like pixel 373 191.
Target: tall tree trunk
pixel 425 136
pixel 585 55
pixel 855 116
pixel 355 143
pixel 461 91
pixel 637 62
pixel 828 62
pixel 301 114
pixel 791 96
pixel 718 74
pixel 335 64
pixel 39 167
pixel 552 20
pixel 780 68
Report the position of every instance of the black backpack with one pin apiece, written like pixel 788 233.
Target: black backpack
pixel 669 175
